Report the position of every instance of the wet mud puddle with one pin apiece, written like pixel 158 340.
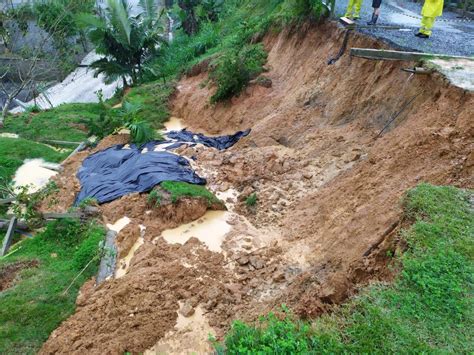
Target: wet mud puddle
pixel 210 229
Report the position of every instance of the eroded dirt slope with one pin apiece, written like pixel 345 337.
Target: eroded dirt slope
pixel 328 197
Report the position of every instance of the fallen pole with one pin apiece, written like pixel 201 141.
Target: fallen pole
pixel 385 54
pixel 109 258
pixel 7 201
pixel 7 241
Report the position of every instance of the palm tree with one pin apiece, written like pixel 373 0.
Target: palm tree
pixel 125 41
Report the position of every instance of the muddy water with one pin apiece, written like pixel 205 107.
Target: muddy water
pixel 174 124
pixel 33 174
pixel 119 225
pixel 188 337
pixel 124 263
pixel 209 229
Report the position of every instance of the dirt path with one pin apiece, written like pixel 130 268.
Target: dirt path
pixel 328 199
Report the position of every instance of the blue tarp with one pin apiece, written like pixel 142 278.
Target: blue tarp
pixel 114 172
pixel 221 143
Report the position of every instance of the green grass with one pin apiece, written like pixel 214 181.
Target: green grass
pixel 153 101
pixel 14 151
pixel 428 309
pixel 36 305
pixel 182 189
pixel 61 123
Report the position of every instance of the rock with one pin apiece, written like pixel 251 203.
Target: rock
pixel 248 190
pixel 243 260
pixel 257 262
pixel 307 175
pixel 187 310
pixel 279 276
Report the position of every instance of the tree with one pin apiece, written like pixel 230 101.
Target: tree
pixel 126 42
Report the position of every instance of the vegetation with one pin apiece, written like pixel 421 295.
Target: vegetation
pixel 251 200
pixel 428 309
pixel 179 189
pixel 65 122
pixel 127 42
pixel 36 304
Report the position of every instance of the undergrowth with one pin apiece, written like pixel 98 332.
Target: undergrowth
pixel 428 309
pixel 179 189
pixel 65 123
pixel 37 304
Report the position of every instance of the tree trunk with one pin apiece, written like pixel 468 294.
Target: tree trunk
pixel 8 101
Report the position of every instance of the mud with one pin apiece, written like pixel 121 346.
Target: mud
pixel 9 273
pixel 328 193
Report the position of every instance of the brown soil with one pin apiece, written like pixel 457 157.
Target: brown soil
pixel 9 273
pixel 328 194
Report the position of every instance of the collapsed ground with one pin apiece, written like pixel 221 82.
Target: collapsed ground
pixel 328 191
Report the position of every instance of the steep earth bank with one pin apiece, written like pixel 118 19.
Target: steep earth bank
pixel 328 197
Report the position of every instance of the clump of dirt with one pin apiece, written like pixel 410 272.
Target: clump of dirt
pixel 9 273
pixel 328 192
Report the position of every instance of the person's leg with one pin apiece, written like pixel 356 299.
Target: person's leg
pixel 349 10
pixel 357 6
pixel 427 25
pixel 376 5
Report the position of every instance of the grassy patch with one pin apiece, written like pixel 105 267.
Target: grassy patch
pixel 36 305
pixel 183 189
pixel 428 309
pixel 251 200
pixel 14 151
pixel 65 122
pixel 153 101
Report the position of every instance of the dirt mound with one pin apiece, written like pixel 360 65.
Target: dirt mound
pixel 9 273
pixel 328 195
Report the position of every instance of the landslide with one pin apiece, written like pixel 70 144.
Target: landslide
pixel 314 160
pixel 328 193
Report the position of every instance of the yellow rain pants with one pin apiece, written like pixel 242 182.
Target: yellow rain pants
pixel 353 9
pixel 431 9
pixel 426 25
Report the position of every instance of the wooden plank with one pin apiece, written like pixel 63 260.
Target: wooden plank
pixel 346 21
pixel 378 27
pixel 385 54
pixel 61 142
pixel 73 215
pixel 7 201
pixel 8 237
pixel 4 223
pixel 82 146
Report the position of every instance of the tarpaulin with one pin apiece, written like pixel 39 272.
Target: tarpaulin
pixel 118 171
pixel 221 143
pixel 115 172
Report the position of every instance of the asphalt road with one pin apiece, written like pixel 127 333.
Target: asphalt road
pixel 451 35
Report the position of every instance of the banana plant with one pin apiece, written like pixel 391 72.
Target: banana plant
pixel 126 42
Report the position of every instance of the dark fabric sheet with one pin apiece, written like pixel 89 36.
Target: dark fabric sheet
pixel 112 173
pixel 115 172
pixel 221 143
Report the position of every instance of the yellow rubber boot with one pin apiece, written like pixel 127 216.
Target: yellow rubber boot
pixel 427 24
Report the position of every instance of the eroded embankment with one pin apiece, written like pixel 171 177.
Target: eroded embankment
pixel 328 195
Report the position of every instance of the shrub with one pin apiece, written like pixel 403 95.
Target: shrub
pixel 235 68
pixel 251 200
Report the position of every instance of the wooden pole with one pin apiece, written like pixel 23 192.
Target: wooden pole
pixel 385 54
pixel 7 241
